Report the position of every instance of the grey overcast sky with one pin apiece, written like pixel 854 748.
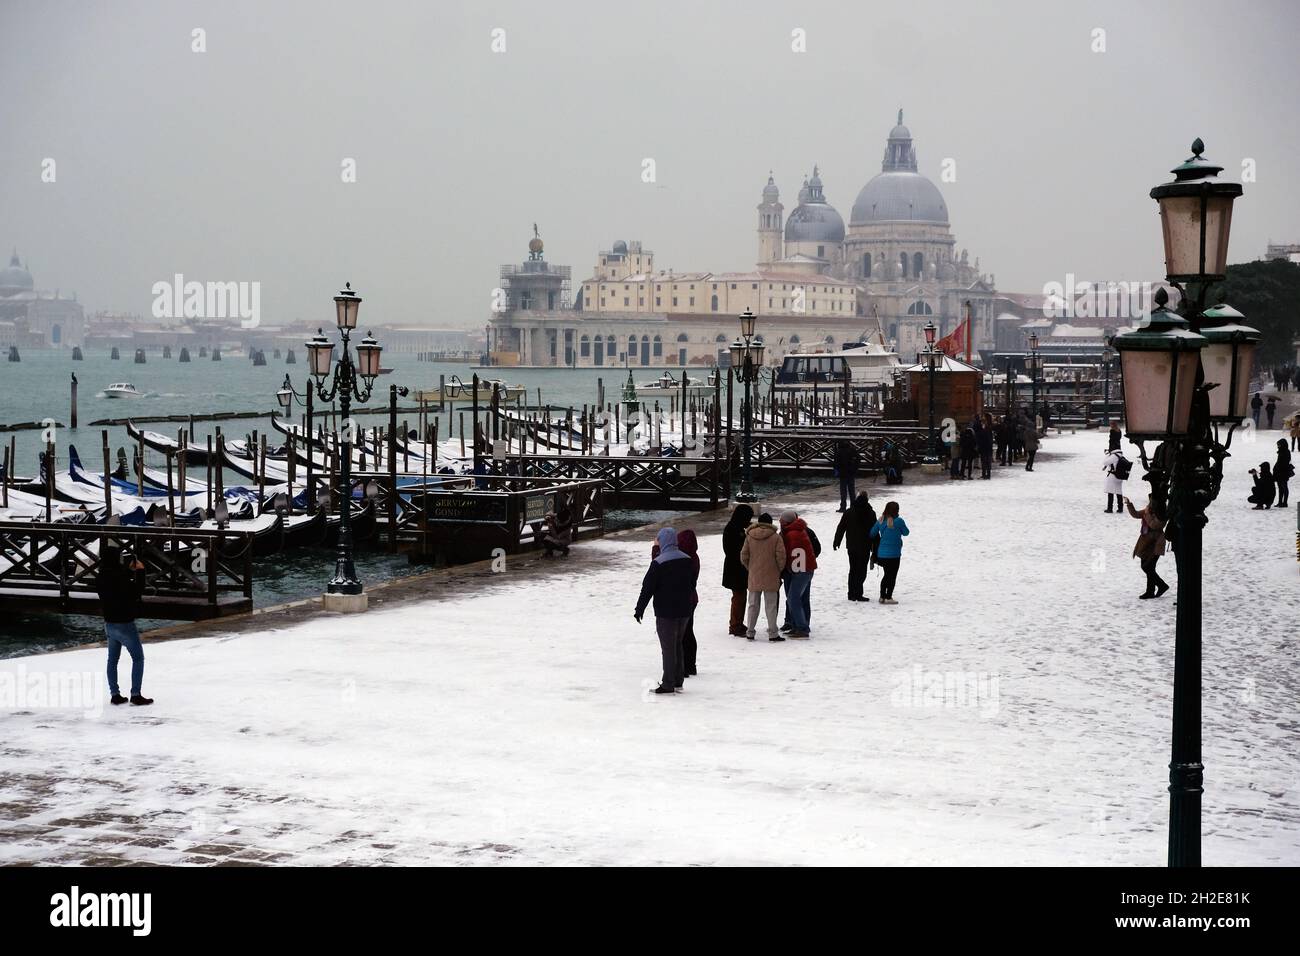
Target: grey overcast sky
pixel 225 165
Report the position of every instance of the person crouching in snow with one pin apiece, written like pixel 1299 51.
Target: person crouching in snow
pixel 670 583
pixel 763 555
pixel 558 534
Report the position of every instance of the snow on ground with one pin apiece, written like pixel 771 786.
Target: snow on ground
pixel 511 721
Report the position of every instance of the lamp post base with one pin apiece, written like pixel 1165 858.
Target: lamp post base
pixel 345 603
pixel 932 466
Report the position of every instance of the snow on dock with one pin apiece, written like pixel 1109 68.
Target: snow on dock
pixel 1014 708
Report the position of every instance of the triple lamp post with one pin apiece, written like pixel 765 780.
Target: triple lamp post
pixel 350 380
pixel 932 359
pixel 746 362
pixel 1185 374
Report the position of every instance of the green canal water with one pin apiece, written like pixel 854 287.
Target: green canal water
pixel 38 387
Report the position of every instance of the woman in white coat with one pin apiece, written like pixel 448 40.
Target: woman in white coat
pixel 1114 483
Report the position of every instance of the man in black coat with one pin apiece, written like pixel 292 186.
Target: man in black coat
pixel 670 582
pixel 984 440
pixel 734 576
pixel 855 532
pixel 120 586
pixel 847 461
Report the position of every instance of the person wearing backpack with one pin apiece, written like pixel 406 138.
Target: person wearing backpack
pixel 1117 469
pixel 801 550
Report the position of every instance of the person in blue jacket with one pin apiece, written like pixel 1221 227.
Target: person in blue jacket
pixel 890 529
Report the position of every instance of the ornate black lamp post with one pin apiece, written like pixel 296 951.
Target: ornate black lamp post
pixel 1033 375
pixel 746 361
pixel 931 360
pixel 349 381
pixel 1107 356
pixel 1185 374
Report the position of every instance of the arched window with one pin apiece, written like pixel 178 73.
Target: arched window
pixel 920 308
pixel 918 263
pixel 611 346
pixel 714 302
pixel 659 347
pixel 683 337
pixel 902 258
pixel 794 340
pixel 866 265
pixel 584 347
pixel 721 339
pixel 56 334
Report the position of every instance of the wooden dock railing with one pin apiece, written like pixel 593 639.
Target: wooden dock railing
pixel 189 573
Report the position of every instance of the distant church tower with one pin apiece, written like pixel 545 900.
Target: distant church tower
pixel 770 224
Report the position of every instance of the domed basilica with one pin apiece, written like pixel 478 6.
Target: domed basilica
pixel 898 248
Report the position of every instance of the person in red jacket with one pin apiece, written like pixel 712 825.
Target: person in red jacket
pixel 800 563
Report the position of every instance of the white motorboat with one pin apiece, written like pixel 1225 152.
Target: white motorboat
pixel 667 385
pixel 122 390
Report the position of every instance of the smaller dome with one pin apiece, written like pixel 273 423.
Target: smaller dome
pixel 770 192
pixel 620 247
pixel 15 276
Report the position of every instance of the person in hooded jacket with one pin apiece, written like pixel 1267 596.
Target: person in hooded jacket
pixel 1261 495
pixel 670 583
pixel 854 531
pixel 1283 471
pixel 1115 437
pixel 734 576
pixel 800 565
pixel 763 555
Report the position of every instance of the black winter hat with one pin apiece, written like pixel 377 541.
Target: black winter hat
pixel 765 518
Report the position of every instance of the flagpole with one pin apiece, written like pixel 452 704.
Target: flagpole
pixel 968 332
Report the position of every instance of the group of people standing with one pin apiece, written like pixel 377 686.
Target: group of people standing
pixel 762 559
pixel 1013 437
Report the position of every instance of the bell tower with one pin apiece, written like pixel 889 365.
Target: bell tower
pixel 770 224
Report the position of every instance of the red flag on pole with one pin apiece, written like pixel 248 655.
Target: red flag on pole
pixel 956 341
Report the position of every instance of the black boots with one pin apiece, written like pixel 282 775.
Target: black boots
pixel 139 701
pixel 117 699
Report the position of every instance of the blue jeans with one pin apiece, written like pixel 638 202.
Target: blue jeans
pixel 120 636
pixel 798 597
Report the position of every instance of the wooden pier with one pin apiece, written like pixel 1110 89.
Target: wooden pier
pixel 189 574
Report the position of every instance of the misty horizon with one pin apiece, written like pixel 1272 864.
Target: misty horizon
pixel 225 165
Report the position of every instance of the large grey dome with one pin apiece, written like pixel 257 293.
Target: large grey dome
pixel 15 277
pixel 814 222
pixel 899 193
pixel 814 219
pixel 902 195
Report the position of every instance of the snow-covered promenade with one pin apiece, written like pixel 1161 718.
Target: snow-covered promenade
pixel 1013 708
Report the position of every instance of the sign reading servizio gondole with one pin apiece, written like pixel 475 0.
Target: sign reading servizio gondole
pixel 467 507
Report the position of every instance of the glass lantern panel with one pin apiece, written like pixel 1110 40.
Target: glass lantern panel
pixel 1180 219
